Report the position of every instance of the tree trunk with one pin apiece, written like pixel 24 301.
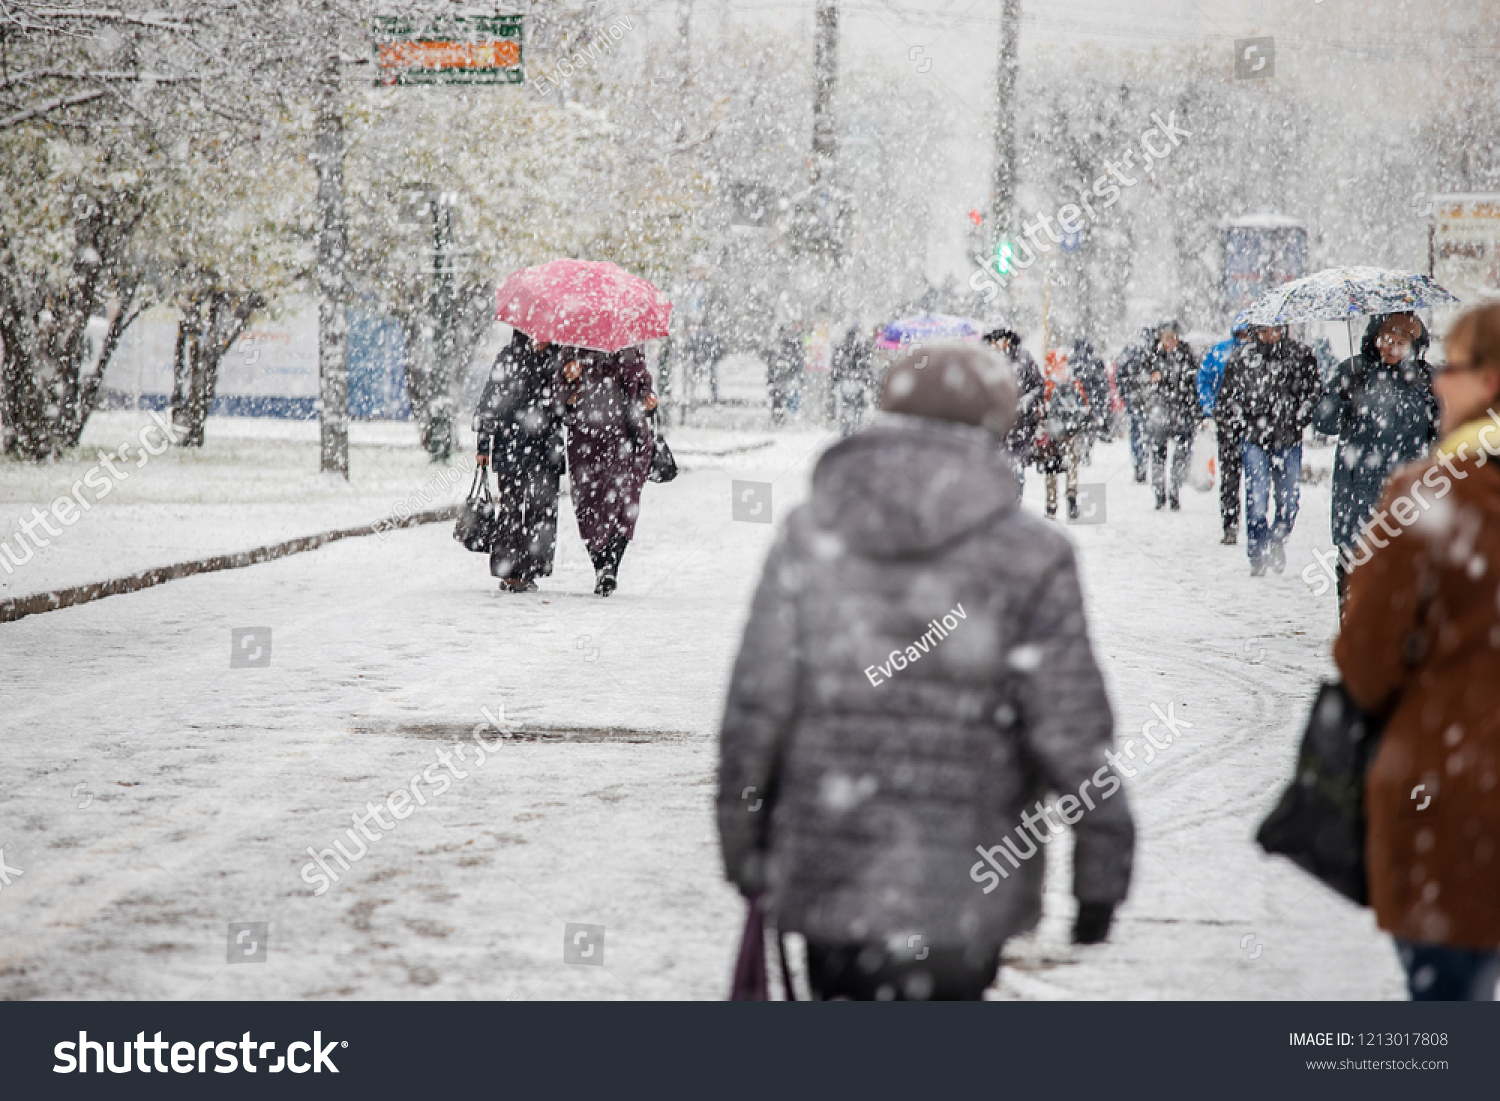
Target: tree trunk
pixel 210 324
pixel 121 316
pixel 46 400
pixel 333 324
pixel 417 336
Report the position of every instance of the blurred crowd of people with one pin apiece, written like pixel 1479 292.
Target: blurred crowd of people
pixel 875 786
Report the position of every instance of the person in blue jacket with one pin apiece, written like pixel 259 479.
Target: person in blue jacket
pixel 1210 375
pixel 1381 407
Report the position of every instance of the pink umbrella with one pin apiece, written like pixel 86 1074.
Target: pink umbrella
pixel 583 303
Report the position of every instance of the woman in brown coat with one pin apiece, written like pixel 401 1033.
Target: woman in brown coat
pixel 1420 645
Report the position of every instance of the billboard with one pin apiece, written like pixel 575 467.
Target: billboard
pixel 1261 251
pixel 1464 250
pixel 449 49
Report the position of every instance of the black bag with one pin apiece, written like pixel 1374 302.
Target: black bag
pixel 476 524
pixel 663 462
pixel 1320 821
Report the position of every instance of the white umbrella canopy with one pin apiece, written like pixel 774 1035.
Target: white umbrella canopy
pixel 1342 294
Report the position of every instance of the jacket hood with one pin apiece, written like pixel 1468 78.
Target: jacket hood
pixel 1371 354
pixel 909 486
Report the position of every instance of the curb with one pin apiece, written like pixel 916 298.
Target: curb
pixel 37 603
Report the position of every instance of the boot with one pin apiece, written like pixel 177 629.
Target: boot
pixel 1072 508
pixel 1278 557
pixel 1161 500
pixel 1231 537
pixel 607 565
pixel 1175 504
pixel 1258 566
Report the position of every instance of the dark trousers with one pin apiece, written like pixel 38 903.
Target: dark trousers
pixel 873 972
pixel 526 523
pixel 1231 465
pixel 1438 973
pixel 1138 444
pixel 1182 450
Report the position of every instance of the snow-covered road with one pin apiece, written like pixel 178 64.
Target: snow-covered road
pixel 151 794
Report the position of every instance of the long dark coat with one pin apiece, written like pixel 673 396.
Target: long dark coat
pixel 1384 417
pixel 610 442
pixel 856 795
pixel 1421 641
pixel 1030 399
pixel 519 425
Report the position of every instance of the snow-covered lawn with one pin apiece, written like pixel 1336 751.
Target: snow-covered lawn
pixel 152 794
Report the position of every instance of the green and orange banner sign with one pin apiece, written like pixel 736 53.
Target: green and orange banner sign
pixel 450 49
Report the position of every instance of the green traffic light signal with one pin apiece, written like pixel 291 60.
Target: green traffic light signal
pixel 1005 254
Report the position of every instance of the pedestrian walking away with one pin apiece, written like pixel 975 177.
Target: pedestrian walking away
pixel 855 783
pixel 1166 392
pixel 853 377
pixel 1064 425
pixel 1093 376
pixel 786 359
pixel 1230 434
pixel 518 424
pixel 1270 388
pixel 1381 407
pixel 608 402
pixel 1420 644
pixel 1029 397
pixel 1128 378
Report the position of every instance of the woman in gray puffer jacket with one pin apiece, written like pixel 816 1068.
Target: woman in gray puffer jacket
pixel 915 678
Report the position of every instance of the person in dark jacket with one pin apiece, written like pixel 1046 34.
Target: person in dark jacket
pixel 608 402
pixel 518 423
pixel 916 676
pixel 1381 407
pixel 1127 380
pixel 785 361
pixel 853 378
pixel 1061 435
pixel 1228 432
pixel 1089 370
pixel 1166 393
pixel 1030 390
pixel 1270 388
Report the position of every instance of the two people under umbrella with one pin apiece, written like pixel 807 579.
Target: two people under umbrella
pixel 605 402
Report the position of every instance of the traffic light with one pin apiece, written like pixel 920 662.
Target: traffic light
pixel 1005 255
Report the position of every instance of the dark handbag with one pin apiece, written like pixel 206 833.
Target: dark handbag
pixel 751 982
pixel 475 527
pixel 1320 821
pixel 663 462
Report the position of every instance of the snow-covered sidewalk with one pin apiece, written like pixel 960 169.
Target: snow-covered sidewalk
pixel 153 793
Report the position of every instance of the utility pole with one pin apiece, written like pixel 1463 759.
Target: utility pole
pixel 826 207
pixel 825 83
pixel 1003 213
pixel 332 248
pixel 685 39
pixel 440 435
